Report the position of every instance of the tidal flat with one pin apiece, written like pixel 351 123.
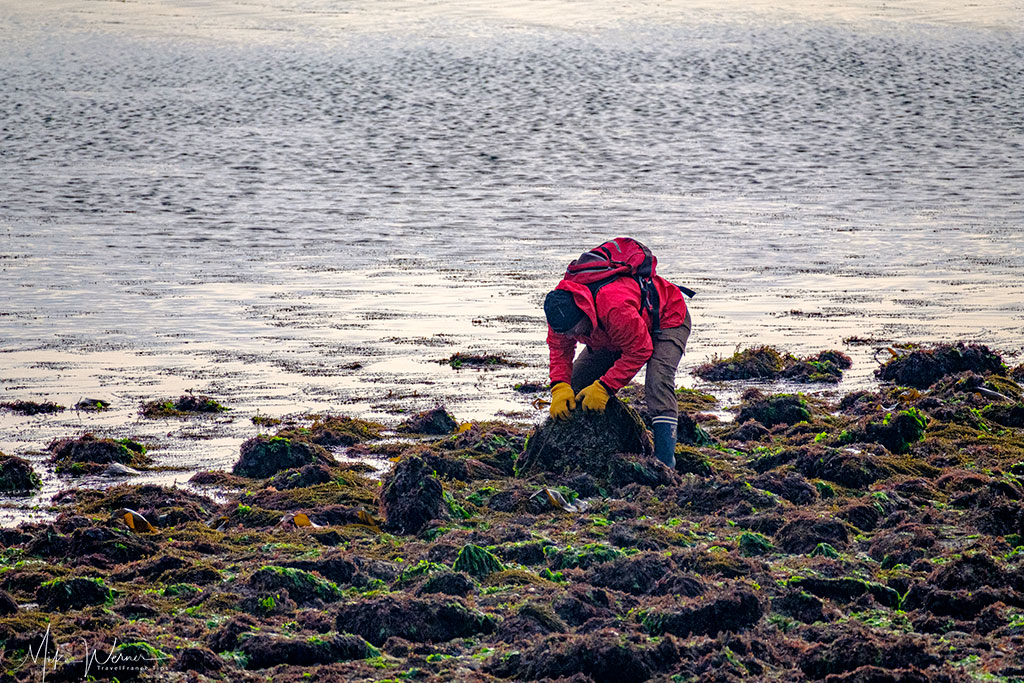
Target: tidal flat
pixel 877 536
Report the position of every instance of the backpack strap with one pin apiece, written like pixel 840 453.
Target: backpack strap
pixel 595 287
pixel 650 301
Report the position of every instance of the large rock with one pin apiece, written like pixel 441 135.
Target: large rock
pixel 922 368
pixel 435 421
pixel 586 442
pixel 411 496
pixel 17 475
pixel 265 456
pixel 88 453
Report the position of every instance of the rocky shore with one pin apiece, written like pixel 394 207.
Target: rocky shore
pixel 879 537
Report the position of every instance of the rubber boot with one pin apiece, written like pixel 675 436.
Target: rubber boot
pixel 665 439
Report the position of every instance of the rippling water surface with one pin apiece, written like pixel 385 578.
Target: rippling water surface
pixel 302 206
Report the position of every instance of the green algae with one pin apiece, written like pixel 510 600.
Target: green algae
pixel 421 568
pixel 477 561
pixel 824 550
pixel 752 544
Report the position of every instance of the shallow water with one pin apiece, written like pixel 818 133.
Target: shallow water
pixel 301 207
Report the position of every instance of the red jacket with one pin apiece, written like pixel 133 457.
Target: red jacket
pixel 617 324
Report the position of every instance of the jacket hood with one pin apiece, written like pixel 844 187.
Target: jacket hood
pixel 582 297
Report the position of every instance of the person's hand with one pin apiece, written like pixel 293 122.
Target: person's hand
pixel 595 397
pixel 562 401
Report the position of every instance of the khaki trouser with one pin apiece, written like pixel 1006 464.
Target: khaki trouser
pixel 660 386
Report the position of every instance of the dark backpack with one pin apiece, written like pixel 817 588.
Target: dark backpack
pixel 622 257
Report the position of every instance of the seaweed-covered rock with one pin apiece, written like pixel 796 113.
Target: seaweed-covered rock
pixel 802 606
pixel 692 461
pixel 263 456
pixel 846 467
pixel 447 582
pixel 461 469
pixel 186 404
pixel 198 659
pixel 623 469
pixel 32 407
pixel 493 443
pixel 8 605
pixel 845 589
pixel 774 409
pixel 434 421
pixel 161 505
pixel 335 566
pixel 766 362
pixel 226 637
pixel 74 593
pixel 970 572
pixel 585 442
pixel 857 647
pixel 93 405
pixel 638 574
pixel 1017 373
pixel 902 545
pixel 340 430
pixel 81 455
pixel 263 651
pixel 411 496
pixel 302 586
pixel 689 432
pixel 763 362
pixel 825 367
pixel 529 621
pixel 17 475
pixel 302 477
pixel 789 485
pixel 802 534
pixel 923 367
pixel 721 495
pixel 896 431
pixel 489 361
pixel 115 545
pixel 584 556
pixel 751 430
pixel 606 656
pixel 734 608
pixel 426 619
pixel 1006 415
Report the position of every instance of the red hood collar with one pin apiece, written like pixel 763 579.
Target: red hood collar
pixel 582 297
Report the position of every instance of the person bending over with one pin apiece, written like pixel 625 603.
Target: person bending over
pixel 624 321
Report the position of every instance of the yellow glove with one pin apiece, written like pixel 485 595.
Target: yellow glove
pixel 562 401
pixel 595 397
